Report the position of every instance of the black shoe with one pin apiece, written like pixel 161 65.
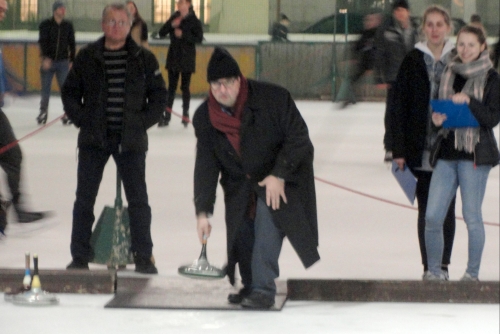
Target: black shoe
pixel 65 120
pixel 164 120
pixel 144 265
pixel 42 117
pixel 29 217
pixel 237 298
pixel 185 122
pixel 78 264
pixel 258 300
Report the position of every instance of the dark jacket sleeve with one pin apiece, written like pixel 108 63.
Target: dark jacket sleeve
pixel 193 33
pixel 206 169
pixel 44 38
pixel 400 107
pixel 297 147
pixel 487 112
pixel 167 27
pixel 72 90
pixel 156 92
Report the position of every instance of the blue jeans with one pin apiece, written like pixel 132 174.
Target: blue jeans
pixel 266 250
pixel 60 69
pixel 446 177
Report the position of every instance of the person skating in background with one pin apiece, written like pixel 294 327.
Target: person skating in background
pixel 114 92
pixel 364 51
pixel 252 136
pixel 280 29
pixel 139 30
pixel 57 52
pixel 185 31
pixel 466 154
pixel 416 84
pixel 394 39
pixel 10 161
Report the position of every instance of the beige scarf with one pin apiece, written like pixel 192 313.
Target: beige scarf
pixel 476 73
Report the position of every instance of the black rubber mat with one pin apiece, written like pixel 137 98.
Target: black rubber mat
pixel 485 292
pixel 180 293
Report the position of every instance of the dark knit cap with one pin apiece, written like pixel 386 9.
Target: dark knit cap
pixel 222 65
pixel 400 3
pixel 56 5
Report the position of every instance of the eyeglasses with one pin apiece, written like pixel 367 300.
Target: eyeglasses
pixel 229 83
pixel 112 23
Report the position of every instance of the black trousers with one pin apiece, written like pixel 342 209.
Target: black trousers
pixel 242 251
pixel 10 161
pixel 389 107
pixel 422 194
pixel 173 80
pixel 132 169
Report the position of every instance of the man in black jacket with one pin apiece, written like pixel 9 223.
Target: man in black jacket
pixel 185 31
pixel 252 135
pixel 57 52
pixel 393 41
pixel 114 92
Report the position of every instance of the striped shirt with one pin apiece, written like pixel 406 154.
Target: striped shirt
pixel 115 66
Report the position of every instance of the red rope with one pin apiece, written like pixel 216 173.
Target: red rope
pixel 384 200
pixel 186 119
pixel 14 143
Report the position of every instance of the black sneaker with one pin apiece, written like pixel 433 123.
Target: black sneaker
pixel 237 298
pixel 144 265
pixel 78 264
pixel 258 300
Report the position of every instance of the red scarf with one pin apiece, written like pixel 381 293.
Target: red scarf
pixel 228 124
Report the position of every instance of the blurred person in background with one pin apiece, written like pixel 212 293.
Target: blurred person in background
pixel 10 159
pixel 280 29
pixel 57 52
pixel 364 51
pixel 185 31
pixel 139 30
pixel 417 83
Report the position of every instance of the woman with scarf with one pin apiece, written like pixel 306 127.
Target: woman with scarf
pixel 466 155
pixel 139 29
pixel 418 83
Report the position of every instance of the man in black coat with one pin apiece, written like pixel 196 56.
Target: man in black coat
pixel 57 52
pixel 113 93
pixel 184 30
pixel 252 135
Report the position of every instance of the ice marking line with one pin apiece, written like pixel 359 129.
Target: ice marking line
pixel 384 200
pixel 31 134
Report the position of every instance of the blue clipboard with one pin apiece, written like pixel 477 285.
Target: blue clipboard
pixel 406 180
pixel 457 115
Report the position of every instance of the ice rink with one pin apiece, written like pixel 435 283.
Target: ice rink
pixel 363 233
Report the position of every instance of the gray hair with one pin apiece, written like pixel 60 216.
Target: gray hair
pixel 116 6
